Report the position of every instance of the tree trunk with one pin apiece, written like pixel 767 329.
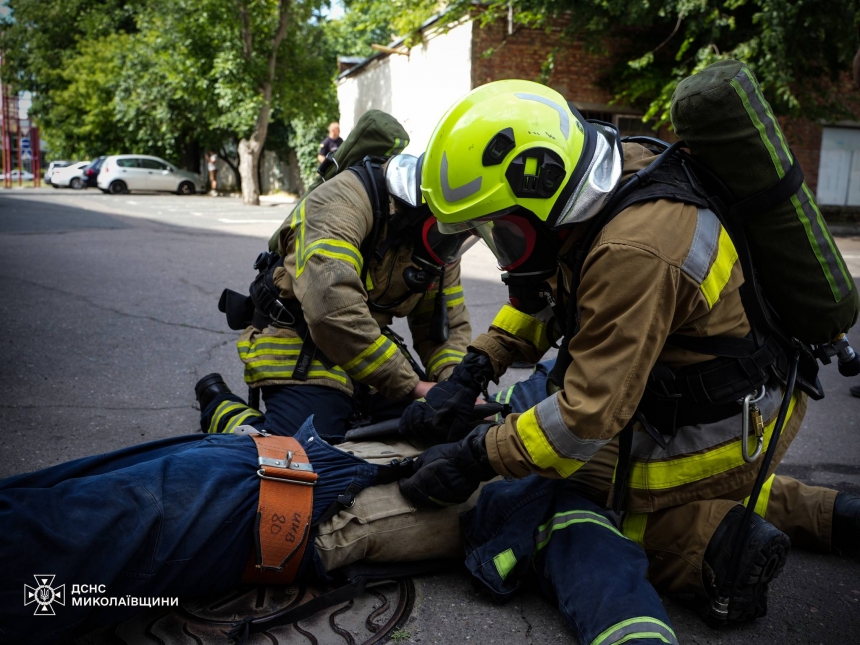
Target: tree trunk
pixel 250 150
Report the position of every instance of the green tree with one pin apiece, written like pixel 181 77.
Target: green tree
pixel 797 48
pixel 165 76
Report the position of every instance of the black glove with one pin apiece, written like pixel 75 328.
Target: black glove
pixel 449 473
pixel 445 414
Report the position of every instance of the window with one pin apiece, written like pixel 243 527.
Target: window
pixel 127 163
pixel 152 164
pixel 839 167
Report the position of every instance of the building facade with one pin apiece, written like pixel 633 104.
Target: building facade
pixel 417 85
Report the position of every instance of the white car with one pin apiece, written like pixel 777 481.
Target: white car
pixel 23 174
pixel 54 165
pixel 122 173
pixel 70 176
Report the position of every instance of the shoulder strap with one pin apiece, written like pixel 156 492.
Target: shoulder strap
pixel 651 183
pixel 370 173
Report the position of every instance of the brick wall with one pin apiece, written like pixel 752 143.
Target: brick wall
pixel 579 76
pixel 576 75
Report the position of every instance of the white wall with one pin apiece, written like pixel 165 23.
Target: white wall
pixel 839 167
pixel 416 90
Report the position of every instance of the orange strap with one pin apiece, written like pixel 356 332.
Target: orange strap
pixel 284 512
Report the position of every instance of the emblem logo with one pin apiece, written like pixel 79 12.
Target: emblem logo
pixel 44 594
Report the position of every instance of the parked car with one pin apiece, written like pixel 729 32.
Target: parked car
pixel 122 173
pixel 52 167
pixel 70 176
pixel 26 176
pixel 91 173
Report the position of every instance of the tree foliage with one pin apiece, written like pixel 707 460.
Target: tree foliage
pixel 797 48
pixel 167 77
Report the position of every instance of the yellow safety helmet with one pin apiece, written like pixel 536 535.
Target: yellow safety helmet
pixel 516 144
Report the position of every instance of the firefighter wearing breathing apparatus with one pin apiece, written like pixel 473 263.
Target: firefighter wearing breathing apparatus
pixel 358 251
pixel 659 372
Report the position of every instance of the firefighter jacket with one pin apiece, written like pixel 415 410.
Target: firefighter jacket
pixel 321 244
pixel 658 268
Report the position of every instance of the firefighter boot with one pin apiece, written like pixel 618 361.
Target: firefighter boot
pixel 208 388
pixel 846 524
pixel 763 555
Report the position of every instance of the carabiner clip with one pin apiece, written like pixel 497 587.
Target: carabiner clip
pixel 745 432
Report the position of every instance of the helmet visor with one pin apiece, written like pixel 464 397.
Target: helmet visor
pixel 511 238
pixel 445 248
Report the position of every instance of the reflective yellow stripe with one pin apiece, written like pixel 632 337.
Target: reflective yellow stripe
pixel 505 563
pixel 331 248
pixel 522 326
pixel 371 359
pixel 223 409
pixel 443 358
pixel 763 498
pixel 659 475
pixel 641 628
pixel 268 346
pixel 256 371
pixel 569 518
pixel 328 247
pixel 539 448
pixel 239 419
pixel 453 296
pixel 721 270
pixel 634 527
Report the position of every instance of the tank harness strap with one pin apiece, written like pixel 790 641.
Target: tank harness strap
pixel 768 199
pixel 284 512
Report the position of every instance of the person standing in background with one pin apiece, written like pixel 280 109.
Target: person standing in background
pixel 212 167
pixel 331 142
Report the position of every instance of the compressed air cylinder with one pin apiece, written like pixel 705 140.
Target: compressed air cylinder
pixel 728 125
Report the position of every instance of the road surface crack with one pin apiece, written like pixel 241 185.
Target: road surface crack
pixel 119 312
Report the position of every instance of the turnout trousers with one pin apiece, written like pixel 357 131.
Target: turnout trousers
pixel 287 407
pixel 675 538
pixel 172 518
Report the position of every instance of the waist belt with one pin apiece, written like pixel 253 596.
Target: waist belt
pixel 284 512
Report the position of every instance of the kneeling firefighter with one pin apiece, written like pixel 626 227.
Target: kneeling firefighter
pixel 357 251
pixel 640 258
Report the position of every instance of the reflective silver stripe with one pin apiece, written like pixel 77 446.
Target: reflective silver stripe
pixel 762 110
pixel 562 520
pixel 692 439
pixel 563 118
pixel 460 192
pixel 561 438
pixel 642 627
pixel 814 216
pixel 805 208
pixel 704 245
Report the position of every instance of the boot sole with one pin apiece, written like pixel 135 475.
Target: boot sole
pixel 749 600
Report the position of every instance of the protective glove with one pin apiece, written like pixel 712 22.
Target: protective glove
pixel 445 413
pixel 449 473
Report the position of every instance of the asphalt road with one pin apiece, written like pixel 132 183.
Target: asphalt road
pixel 108 317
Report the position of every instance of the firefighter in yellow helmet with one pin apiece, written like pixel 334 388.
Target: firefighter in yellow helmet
pixel 643 409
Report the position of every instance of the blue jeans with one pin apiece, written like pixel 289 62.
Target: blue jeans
pixel 172 518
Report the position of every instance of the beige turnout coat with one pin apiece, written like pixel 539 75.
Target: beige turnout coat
pixel 658 268
pixel 321 243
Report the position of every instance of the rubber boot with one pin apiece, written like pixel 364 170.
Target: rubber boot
pixel 846 524
pixel 763 556
pixel 208 388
